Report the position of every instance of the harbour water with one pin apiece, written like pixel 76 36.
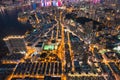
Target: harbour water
pixel 9 24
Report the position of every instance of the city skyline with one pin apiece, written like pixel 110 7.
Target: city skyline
pixel 60 40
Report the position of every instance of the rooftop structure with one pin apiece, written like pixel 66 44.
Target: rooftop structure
pixel 15 44
pixel 76 47
pixel 50 46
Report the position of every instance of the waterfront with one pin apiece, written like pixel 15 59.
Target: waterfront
pixel 9 25
pixel 69 42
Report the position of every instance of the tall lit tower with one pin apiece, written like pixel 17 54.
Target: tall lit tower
pixel 15 44
pixel 42 3
pixel 59 3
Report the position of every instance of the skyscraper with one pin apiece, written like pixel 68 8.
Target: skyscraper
pixel 15 44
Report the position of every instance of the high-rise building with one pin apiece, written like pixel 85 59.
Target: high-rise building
pixel 45 3
pixel 15 44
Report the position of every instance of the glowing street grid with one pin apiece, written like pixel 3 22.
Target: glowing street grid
pixel 60 40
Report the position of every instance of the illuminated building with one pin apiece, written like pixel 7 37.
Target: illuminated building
pixel 51 3
pixel 59 3
pixel 48 47
pixel 15 44
pixel 42 3
pixel 54 3
pixel 48 3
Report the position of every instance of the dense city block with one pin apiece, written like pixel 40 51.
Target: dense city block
pixel 68 40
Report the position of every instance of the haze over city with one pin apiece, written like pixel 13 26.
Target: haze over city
pixel 59 39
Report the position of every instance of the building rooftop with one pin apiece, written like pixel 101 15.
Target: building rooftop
pixel 13 37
